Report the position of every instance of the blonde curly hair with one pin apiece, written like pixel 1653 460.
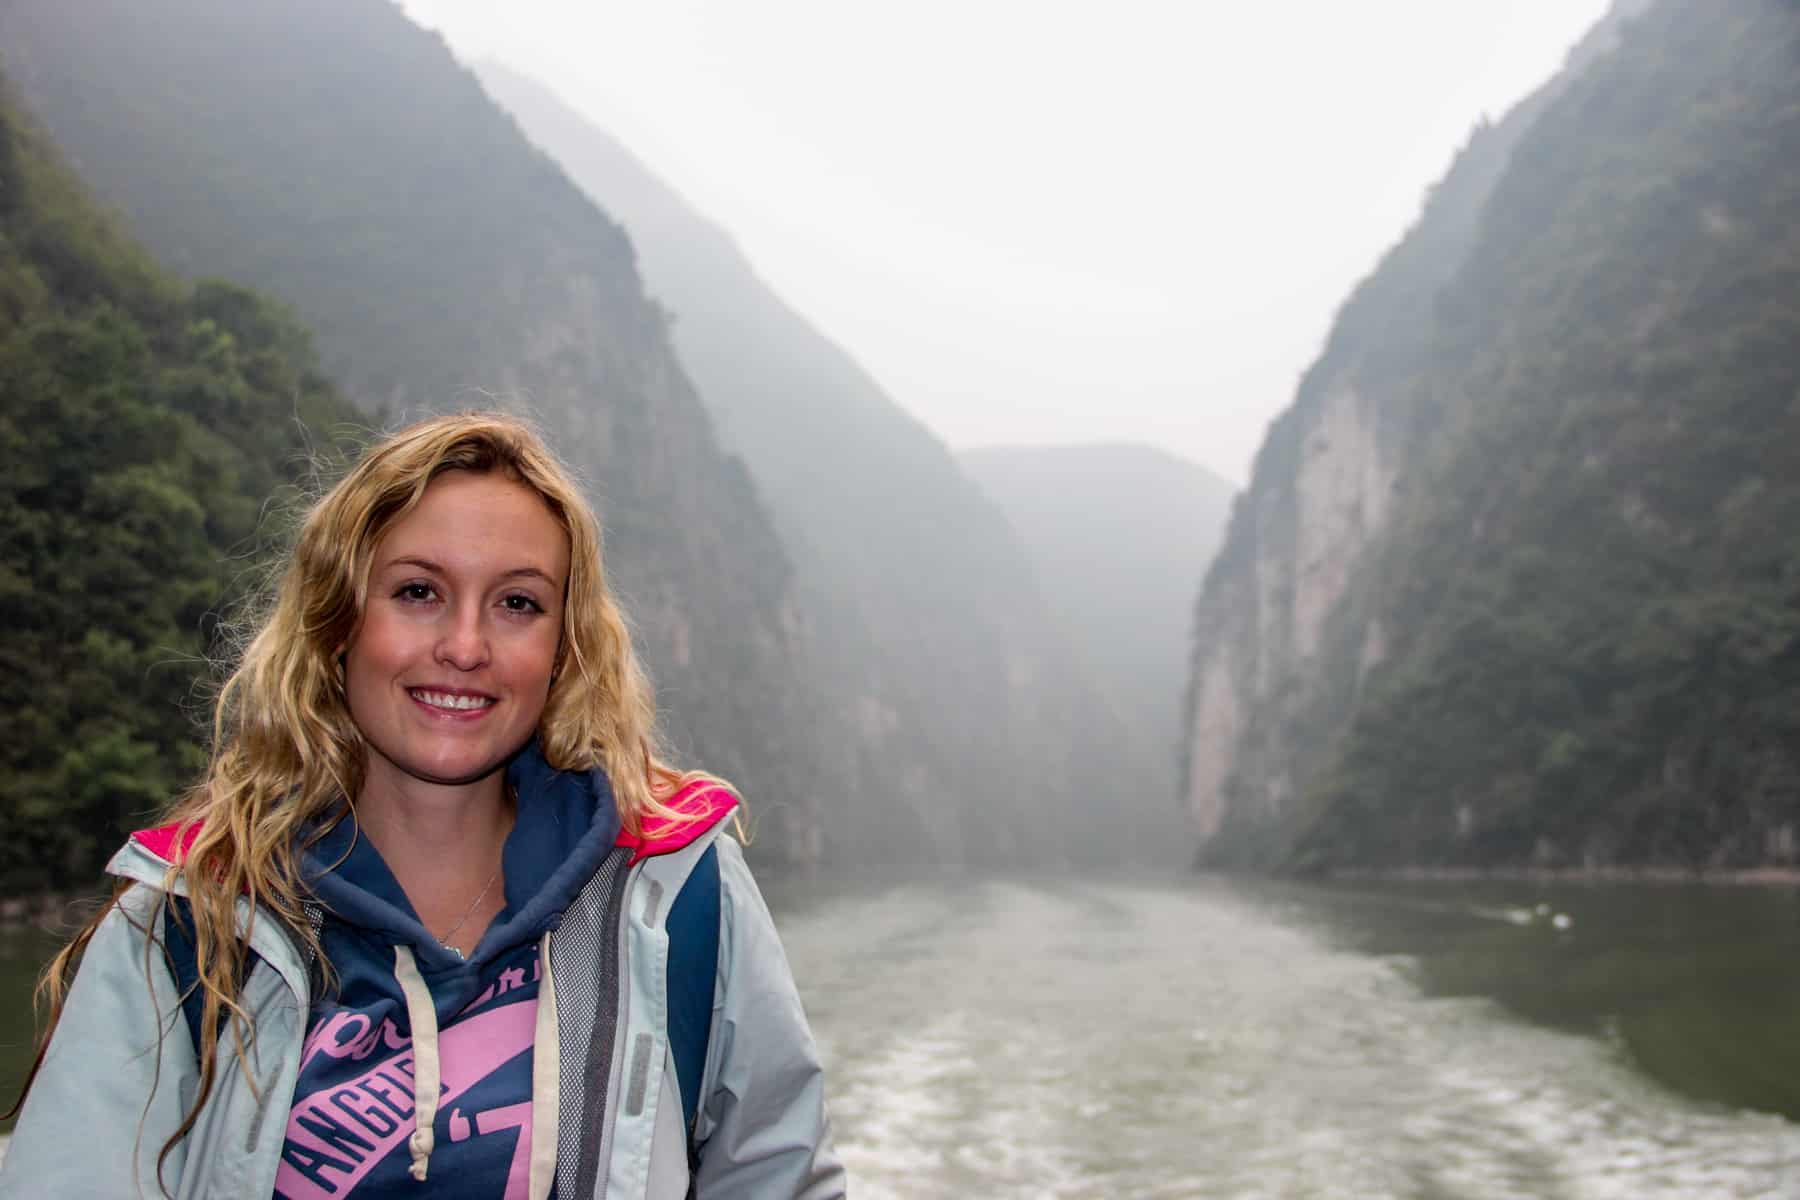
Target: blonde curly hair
pixel 287 758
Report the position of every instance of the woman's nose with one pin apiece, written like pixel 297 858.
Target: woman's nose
pixel 464 644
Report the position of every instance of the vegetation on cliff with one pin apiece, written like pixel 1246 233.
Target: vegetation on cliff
pixel 144 427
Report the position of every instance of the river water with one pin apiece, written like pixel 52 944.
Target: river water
pixel 1204 1038
pixel 1199 1038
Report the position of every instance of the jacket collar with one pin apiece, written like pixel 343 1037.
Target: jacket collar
pixel 701 806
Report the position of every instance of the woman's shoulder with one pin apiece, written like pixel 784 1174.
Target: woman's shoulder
pixel 154 889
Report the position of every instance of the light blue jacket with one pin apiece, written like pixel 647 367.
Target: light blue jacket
pixel 122 1071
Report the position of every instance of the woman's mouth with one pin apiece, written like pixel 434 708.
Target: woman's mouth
pixel 457 702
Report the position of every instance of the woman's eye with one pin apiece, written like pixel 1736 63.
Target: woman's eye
pixel 520 603
pixel 417 593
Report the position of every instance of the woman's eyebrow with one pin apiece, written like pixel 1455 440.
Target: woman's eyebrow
pixel 531 573
pixel 425 564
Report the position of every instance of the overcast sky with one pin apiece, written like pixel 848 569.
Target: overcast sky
pixel 1036 221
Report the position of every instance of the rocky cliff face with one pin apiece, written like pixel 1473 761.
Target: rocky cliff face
pixel 1266 636
pixel 1277 610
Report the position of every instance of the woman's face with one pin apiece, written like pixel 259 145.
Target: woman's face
pixel 449 667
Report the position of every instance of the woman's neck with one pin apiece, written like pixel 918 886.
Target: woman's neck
pixel 433 820
pixel 443 845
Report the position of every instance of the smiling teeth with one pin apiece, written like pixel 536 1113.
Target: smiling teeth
pixel 443 700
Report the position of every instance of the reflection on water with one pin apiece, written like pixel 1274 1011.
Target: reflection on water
pixel 1032 1038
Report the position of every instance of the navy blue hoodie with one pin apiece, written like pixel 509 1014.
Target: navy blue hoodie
pixel 353 1108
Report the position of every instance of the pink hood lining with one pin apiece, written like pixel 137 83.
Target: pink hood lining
pixel 170 842
pixel 702 805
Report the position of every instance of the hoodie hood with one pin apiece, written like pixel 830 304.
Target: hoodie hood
pixel 566 824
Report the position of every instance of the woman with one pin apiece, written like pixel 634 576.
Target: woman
pixel 418 922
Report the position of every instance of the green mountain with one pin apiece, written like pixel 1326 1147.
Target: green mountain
pixel 1119 536
pixel 1516 582
pixel 144 426
pixel 334 154
pixel 930 626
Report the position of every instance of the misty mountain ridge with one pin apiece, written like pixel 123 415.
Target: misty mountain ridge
pixel 1513 583
pixel 925 604
pixel 1120 535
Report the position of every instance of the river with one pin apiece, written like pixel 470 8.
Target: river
pixel 1202 1039
pixel 1193 1037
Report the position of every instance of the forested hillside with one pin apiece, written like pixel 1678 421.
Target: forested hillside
pixel 931 627
pixel 335 155
pixel 1119 536
pixel 1517 579
pixel 144 427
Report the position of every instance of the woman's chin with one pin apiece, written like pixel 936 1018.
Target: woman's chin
pixel 462 768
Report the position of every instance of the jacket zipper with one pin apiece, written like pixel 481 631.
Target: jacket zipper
pixel 604 1056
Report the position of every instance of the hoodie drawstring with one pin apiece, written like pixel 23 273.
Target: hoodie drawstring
pixel 421 1014
pixel 546 1097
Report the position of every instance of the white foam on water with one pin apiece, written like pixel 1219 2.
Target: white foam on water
pixel 1523 1111
pixel 1072 1041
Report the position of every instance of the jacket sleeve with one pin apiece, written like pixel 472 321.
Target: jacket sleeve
pixel 111 1089
pixel 763 1131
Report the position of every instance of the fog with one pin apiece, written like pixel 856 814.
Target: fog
pixel 1034 225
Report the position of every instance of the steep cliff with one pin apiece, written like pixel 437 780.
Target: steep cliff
pixel 336 155
pixel 932 630
pixel 1511 583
